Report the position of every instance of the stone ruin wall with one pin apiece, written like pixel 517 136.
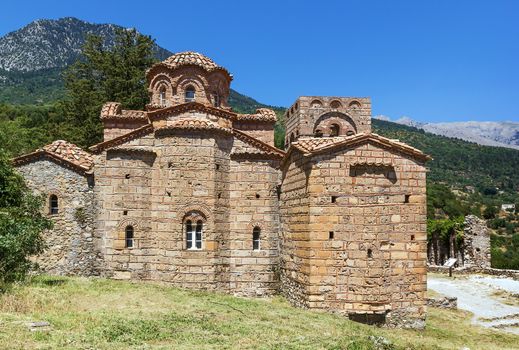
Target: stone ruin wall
pixel 375 262
pixel 476 243
pixel 72 246
pixel 474 252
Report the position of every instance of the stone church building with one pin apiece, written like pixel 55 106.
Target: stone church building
pixel 191 193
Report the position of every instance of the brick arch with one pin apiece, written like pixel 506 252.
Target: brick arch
pixel 253 224
pixel 354 104
pixel 159 79
pixel 196 82
pixel 316 103
pixel 129 222
pixel 344 121
pixel 195 207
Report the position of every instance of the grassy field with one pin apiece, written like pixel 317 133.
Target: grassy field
pixel 106 314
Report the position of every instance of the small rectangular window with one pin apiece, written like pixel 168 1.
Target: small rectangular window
pixel 256 233
pixel 334 199
pixel 330 235
pixel 406 198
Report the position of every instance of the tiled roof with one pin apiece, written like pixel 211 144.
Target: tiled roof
pixel 309 145
pixel 262 114
pixel 112 110
pixel 70 152
pixel 192 58
pixel 62 151
pixel 318 145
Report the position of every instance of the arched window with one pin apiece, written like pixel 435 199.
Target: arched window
pixel 162 97
pixel 316 104
pixel 190 94
pixel 128 236
pixel 53 204
pixel 216 100
pixel 194 236
pixel 334 130
pixel 256 233
pixel 335 104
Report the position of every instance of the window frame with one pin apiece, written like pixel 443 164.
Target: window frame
pixel 194 234
pixel 162 96
pixel 256 238
pixel 129 237
pixel 190 89
pixel 53 204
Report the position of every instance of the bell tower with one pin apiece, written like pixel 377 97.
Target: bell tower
pixel 317 116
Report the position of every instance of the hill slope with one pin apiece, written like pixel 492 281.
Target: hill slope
pixel 500 134
pixel 457 162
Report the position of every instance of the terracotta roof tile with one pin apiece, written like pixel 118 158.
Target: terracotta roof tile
pixel 112 110
pixel 262 114
pixel 60 151
pixel 71 153
pixel 192 58
pixel 317 145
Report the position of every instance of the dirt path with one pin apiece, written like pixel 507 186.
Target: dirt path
pixel 493 301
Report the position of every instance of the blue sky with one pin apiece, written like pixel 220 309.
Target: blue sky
pixel 435 60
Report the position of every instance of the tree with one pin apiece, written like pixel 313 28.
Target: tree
pixel 102 75
pixel 490 212
pixel 21 225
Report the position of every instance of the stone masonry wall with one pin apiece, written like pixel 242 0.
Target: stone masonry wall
pixel 253 203
pixel 294 233
pixel 156 182
pixel 366 241
pixel 310 111
pixel 72 245
pixel 116 128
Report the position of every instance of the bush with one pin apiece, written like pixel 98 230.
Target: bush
pixel 21 224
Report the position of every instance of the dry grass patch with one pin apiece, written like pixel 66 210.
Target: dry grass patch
pixel 106 314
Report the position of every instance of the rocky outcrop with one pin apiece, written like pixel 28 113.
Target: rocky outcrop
pixel 443 303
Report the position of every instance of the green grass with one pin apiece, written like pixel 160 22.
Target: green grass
pixel 106 314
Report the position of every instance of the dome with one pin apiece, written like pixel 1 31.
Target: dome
pixel 192 58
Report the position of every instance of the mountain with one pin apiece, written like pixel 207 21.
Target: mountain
pixel 33 58
pixel 499 134
pixel 47 43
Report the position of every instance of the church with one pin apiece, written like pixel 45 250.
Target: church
pixel 191 193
